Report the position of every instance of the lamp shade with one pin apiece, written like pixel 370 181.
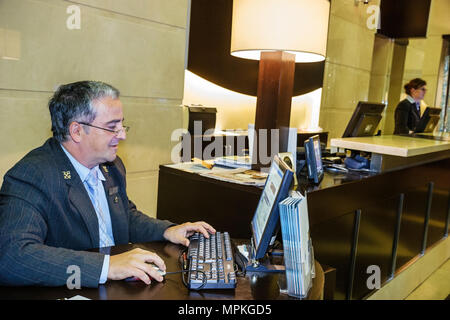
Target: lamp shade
pixel 296 26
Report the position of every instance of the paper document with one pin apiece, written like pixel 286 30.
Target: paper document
pixel 238 175
pixel 191 167
pixel 234 161
pixel 297 245
pixel 77 297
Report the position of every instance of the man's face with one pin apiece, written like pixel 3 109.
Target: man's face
pixel 99 145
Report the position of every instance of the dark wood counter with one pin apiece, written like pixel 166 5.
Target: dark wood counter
pixel 356 221
pixel 254 286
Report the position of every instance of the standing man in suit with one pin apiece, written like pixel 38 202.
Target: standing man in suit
pixel 69 196
pixel 407 113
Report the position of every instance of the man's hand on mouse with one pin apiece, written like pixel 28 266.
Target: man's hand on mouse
pixel 179 234
pixel 135 263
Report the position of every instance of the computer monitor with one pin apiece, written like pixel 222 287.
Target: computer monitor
pixel 265 222
pixel 313 156
pixel 429 120
pixel 364 120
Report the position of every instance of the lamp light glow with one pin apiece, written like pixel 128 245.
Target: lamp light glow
pixel 299 27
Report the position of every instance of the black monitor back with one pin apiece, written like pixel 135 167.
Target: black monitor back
pixel 313 157
pixel 429 120
pixel 364 120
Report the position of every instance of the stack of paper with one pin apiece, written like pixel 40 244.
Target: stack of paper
pixel 297 246
pixel 234 161
pixel 192 167
pixel 234 175
pixel 238 175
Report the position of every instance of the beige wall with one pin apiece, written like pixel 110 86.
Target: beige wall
pixel 136 45
pixel 423 56
pixel 418 58
pixel 348 64
pixel 358 67
pixel 395 84
pixel 381 69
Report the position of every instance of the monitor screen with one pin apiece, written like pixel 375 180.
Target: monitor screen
pixel 314 159
pixel 429 120
pixel 265 221
pixel 364 120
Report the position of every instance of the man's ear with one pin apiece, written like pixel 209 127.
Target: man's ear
pixel 75 131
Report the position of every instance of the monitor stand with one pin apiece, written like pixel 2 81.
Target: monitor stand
pixel 271 262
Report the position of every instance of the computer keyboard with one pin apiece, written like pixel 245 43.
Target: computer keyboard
pixel 211 262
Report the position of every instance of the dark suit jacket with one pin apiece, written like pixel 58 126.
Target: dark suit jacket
pixel 406 117
pixel 47 220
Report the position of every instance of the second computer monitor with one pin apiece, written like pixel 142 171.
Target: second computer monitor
pixel 365 120
pixel 429 120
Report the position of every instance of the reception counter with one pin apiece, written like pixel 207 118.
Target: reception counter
pixel 384 220
pixel 395 152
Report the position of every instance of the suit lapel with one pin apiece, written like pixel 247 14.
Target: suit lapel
pixel 77 193
pixel 80 199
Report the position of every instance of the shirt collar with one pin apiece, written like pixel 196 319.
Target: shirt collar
pixel 410 99
pixel 82 171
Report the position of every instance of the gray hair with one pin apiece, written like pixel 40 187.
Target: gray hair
pixel 73 102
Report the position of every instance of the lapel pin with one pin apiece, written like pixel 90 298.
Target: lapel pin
pixel 105 168
pixel 116 199
pixel 66 175
pixel 113 190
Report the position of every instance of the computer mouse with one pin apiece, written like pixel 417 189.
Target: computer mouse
pixel 161 272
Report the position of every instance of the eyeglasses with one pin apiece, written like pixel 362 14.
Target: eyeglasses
pixel 116 132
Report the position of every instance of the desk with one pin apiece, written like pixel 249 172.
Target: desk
pixel 257 286
pixel 385 219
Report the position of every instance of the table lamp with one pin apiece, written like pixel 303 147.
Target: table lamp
pixel 279 33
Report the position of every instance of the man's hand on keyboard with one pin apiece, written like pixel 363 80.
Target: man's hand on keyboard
pixel 179 234
pixel 135 263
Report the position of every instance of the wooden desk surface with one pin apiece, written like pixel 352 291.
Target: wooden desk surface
pixel 255 286
pixel 392 145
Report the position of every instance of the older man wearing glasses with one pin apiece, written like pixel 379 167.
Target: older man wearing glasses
pixel 69 196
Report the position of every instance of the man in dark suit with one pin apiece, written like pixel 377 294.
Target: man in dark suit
pixel 69 196
pixel 407 113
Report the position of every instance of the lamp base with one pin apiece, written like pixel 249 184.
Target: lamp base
pixel 273 104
